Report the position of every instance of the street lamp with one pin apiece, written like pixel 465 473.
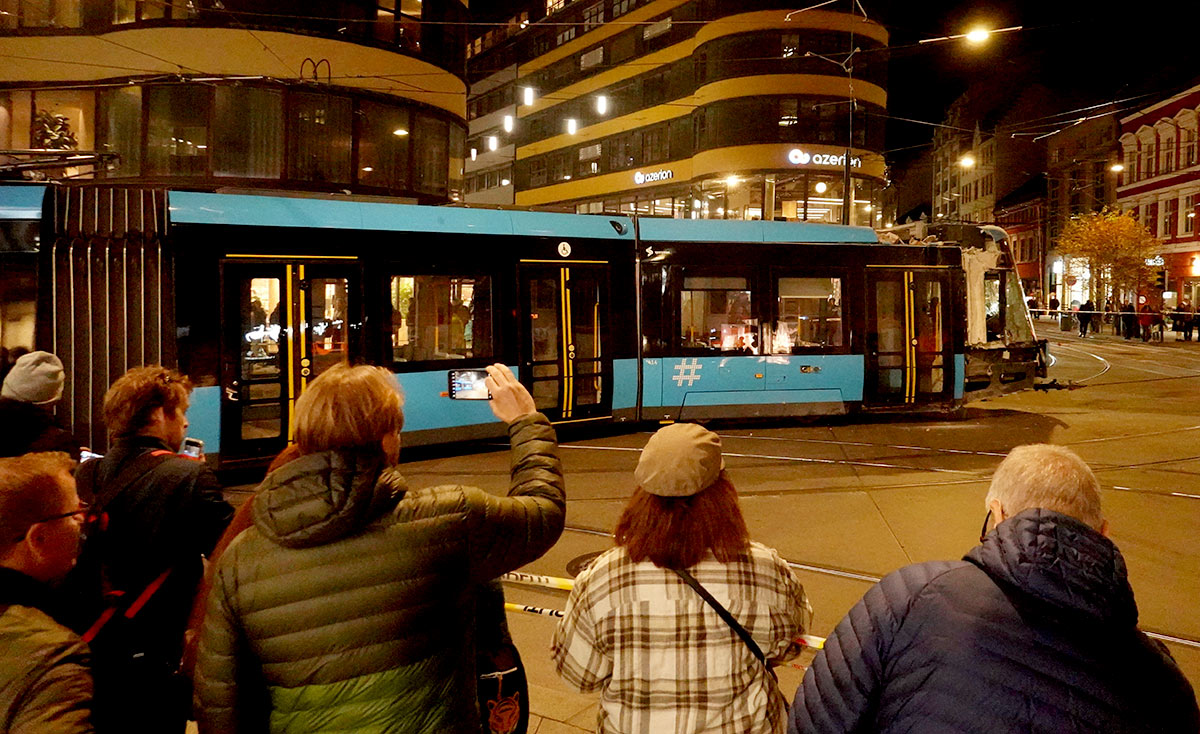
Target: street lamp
pixel 975 36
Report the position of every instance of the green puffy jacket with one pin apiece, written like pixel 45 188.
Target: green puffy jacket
pixel 349 606
pixel 45 684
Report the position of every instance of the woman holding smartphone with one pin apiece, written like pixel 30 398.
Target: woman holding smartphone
pixel 349 603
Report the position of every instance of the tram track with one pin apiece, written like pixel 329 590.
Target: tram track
pixel 868 578
pixel 1108 365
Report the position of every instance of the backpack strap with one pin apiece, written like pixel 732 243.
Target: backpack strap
pixel 133 471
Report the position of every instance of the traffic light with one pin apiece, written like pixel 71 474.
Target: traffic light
pixel 1160 280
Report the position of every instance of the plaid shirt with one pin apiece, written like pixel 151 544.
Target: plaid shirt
pixel 666 663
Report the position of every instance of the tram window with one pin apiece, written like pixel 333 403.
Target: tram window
pixel 438 317
pixel 261 359
pixel 715 316
pixel 809 316
pixel 993 292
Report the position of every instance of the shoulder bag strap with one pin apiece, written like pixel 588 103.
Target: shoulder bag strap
pixel 724 614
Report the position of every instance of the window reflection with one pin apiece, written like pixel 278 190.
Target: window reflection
pixel 327 323
pixel 809 315
pixel 715 316
pixel 438 317
pixel 261 359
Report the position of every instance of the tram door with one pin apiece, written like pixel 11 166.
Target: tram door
pixel 908 337
pixel 565 358
pixel 285 323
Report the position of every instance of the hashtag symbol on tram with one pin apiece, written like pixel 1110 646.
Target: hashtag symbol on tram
pixel 687 370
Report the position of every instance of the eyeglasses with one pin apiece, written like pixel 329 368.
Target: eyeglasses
pixel 984 531
pixel 81 511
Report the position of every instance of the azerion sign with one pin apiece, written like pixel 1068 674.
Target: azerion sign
pixel 664 174
pixel 798 157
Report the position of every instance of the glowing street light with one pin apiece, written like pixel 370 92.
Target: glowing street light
pixel 978 35
pixel 1117 167
pixel 967 161
pixel 975 36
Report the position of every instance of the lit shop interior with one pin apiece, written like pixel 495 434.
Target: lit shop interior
pixel 791 196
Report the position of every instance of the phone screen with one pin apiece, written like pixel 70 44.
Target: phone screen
pixel 192 447
pixel 468 385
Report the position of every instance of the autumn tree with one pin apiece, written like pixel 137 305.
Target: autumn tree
pixel 1115 247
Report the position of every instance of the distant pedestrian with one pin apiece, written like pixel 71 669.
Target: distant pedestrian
pixel 1085 316
pixel 1053 306
pixel 1129 320
pixel 658 651
pixel 27 424
pixel 1145 321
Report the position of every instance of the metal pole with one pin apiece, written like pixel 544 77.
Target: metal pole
pixel 847 195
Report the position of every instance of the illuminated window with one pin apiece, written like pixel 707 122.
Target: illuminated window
pixel 809 315
pixel 715 316
pixel 436 317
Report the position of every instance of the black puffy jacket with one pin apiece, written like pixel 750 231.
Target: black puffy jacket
pixel 1035 631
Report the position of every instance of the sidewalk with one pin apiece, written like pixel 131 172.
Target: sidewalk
pixel 1047 328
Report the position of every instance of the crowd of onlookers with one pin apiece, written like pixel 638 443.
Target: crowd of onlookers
pixel 340 599
pixel 1123 318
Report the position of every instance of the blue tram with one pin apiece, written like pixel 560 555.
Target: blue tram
pixel 604 318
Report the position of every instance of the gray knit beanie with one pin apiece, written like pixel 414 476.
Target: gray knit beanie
pixel 36 378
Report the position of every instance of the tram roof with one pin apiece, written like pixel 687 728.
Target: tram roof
pixel 721 230
pixel 281 211
pixel 21 201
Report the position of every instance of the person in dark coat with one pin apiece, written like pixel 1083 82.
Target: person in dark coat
pixel 27 425
pixel 1129 321
pixel 1035 630
pixel 1085 316
pixel 161 513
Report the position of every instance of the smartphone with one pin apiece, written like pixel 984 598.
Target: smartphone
pixel 469 385
pixel 192 447
pixel 86 455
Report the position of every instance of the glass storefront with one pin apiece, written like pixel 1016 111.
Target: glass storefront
pixel 230 134
pixel 788 196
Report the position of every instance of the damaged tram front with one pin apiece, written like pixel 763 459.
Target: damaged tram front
pixel 1003 351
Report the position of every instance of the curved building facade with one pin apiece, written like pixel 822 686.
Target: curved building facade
pixel 349 96
pixel 695 109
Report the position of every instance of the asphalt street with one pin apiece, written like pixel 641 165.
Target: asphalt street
pixel 848 501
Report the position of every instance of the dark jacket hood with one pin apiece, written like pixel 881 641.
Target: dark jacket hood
pixel 322 497
pixel 1060 566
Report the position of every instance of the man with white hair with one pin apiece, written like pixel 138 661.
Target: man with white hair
pixel 1035 630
